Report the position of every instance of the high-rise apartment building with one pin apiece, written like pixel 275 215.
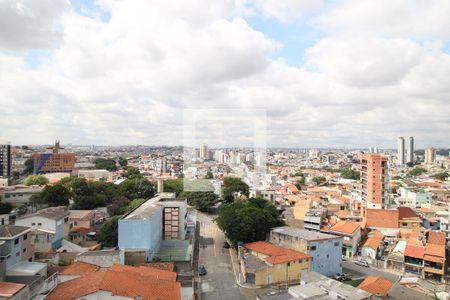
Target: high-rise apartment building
pixel 401 151
pixel 203 151
pixel 410 151
pixel 5 159
pixel 430 155
pixel 374 180
pixel 54 160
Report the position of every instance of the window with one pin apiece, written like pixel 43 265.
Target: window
pixel 313 248
pixel 24 250
pixel 336 244
pixel 18 254
pixel 16 241
pixel 328 256
pixel 32 224
pixel 25 236
pixel 39 224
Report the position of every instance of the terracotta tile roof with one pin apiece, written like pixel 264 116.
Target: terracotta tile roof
pixel 382 218
pixel 406 213
pixel 166 266
pixel 293 188
pixel 346 227
pixel 126 281
pixel 79 268
pixel 146 271
pixel 377 286
pixel 435 250
pixel 414 251
pixel 437 238
pixel 277 254
pixel 425 210
pixel 374 240
pixel 9 289
pixel 342 214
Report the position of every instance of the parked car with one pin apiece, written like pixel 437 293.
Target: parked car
pixel 344 257
pixel 226 245
pixel 362 263
pixel 202 271
pixel 340 277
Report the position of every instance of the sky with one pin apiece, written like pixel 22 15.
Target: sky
pixel 326 73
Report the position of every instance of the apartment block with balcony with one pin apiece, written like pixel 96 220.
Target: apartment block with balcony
pixel 374 180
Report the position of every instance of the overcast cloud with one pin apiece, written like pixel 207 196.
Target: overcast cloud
pixel 121 72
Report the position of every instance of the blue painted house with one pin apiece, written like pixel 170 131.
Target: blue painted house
pixel 325 249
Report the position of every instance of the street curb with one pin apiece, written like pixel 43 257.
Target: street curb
pixel 236 277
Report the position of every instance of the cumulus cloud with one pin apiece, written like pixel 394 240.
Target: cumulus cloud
pixel 30 24
pixel 126 80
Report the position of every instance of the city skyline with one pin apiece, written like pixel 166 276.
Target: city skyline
pixel 329 74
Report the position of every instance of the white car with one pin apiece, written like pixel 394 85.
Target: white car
pixel 362 263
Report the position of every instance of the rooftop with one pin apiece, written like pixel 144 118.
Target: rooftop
pixel 26 268
pixel 305 234
pixel 150 207
pixel 277 254
pixel 375 285
pixel 9 231
pixel 127 281
pixel 346 227
pixel 9 289
pixel 54 213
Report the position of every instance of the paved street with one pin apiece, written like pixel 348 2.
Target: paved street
pixel 355 271
pixel 219 283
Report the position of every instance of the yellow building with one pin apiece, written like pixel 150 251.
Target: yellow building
pixel 263 263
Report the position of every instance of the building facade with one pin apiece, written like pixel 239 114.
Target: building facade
pixel 374 180
pixel 430 155
pixel 17 244
pixel 410 151
pixel 325 249
pixel 5 160
pixel 401 151
pixel 53 160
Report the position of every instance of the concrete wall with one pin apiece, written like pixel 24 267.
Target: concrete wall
pixel 280 272
pixel 141 234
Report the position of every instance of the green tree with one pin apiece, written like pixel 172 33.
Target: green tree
pixel 137 188
pixel 248 221
pixel 133 204
pixel 174 186
pixel 319 180
pixel 442 176
pixel 132 172
pixel 123 162
pixel 201 200
pixel 300 183
pixel 78 186
pixel 232 186
pixel 36 180
pixel 109 232
pixel 209 175
pixel 117 206
pixel 417 171
pixel 397 178
pixel 29 166
pixel 55 195
pixel 5 207
pixel 349 173
pixel 105 163
pixel 22 209
pixel 91 201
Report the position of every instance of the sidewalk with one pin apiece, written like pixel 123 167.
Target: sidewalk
pixel 236 270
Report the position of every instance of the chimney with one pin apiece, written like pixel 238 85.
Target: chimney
pixel 160 188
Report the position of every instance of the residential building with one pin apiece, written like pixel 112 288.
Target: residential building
pixel 19 194
pixel 351 232
pixel 120 282
pixel 410 151
pixel 370 249
pixel 203 151
pixel 96 175
pixel 325 249
pixel 414 258
pixel 13 291
pixel 48 227
pixel 374 180
pixel 17 244
pixel 5 160
pixel 377 286
pixel 434 256
pixel 430 155
pixel 408 219
pixel 81 219
pixel 381 218
pixel 160 218
pixel 401 151
pixel 414 197
pixel 314 219
pixel 54 160
pixel 263 263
